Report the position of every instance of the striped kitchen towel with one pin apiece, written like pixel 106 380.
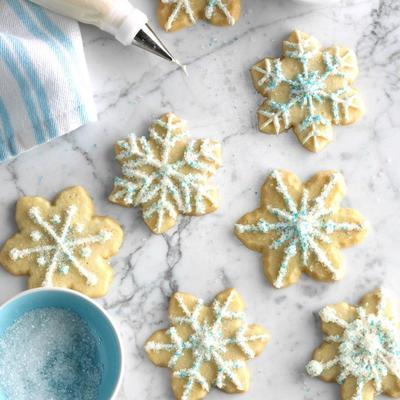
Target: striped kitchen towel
pixel 44 84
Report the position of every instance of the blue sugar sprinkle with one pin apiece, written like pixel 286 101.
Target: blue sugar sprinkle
pixel 49 353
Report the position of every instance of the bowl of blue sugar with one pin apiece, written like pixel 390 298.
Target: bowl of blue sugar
pixel 58 344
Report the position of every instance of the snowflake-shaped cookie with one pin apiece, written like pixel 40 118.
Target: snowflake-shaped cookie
pixel 63 245
pixel 301 227
pixel 361 348
pixel 177 14
pixel 167 173
pixel 207 345
pixel 308 89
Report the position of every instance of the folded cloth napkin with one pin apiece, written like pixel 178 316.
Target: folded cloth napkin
pixel 44 84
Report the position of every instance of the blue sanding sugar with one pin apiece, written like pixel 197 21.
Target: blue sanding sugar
pixel 49 354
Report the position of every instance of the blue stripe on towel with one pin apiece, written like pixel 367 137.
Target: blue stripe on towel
pixel 24 88
pixel 66 43
pixel 25 61
pixel 3 147
pixel 30 24
pixel 8 129
pixel 51 27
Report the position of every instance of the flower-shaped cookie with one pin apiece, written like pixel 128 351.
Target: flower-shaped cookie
pixel 301 227
pixel 308 89
pixel 177 14
pixel 64 244
pixel 361 348
pixel 207 345
pixel 167 173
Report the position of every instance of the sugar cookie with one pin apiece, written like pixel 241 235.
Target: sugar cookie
pixel 301 227
pixel 207 345
pixel 167 173
pixel 361 347
pixel 63 244
pixel 309 89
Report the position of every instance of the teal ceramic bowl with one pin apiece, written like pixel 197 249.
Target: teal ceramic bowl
pixel 107 337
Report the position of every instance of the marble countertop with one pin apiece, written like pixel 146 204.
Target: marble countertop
pixel 201 255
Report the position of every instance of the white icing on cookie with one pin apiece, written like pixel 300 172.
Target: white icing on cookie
pixel 186 7
pixel 180 6
pixel 59 245
pixel 36 236
pixel 220 4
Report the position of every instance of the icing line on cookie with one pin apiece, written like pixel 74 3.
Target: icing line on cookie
pixel 180 5
pixel 212 5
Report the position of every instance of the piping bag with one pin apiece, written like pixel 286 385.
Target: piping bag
pixel 117 17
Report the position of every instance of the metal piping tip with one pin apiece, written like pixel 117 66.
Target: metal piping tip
pixel 148 40
pixel 182 66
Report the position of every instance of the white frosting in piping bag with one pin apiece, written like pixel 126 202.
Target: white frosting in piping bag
pixel 117 17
